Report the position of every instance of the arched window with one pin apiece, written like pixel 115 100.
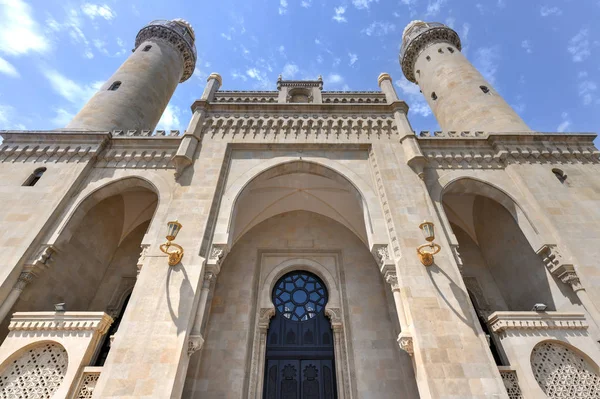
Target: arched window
pixel 484 89
pixel 34 177
pixel 115 86
pixel 147 48
pixel 451 50
pixel 433 96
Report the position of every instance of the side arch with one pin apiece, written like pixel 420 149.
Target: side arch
pixel 492 189
pixel 95 192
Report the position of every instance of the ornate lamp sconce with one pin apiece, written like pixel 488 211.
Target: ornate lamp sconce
pixel 176 255
pixel 426 251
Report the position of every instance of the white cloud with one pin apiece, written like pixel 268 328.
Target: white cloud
pixel 20 33
pixel 450 22
pixel 225 36
pixel 336 61
pixel 73 26
pixel 335 80
pixel 546 11
pixel 579 46
pixel 586 89
pixel 317 41
pixel 434 7
pixel 290 71
pixel 320 59
pixel 526 44
pixel 100 45
pixel 412 93
pixel 306 3
pixel 7 118
pixel 339 14
pixel 486 61
pixel 565 124
pixel 170 118
pixel 71 91
pixel 62 117
pixel 237 75
pixel 260 76
pixel 353 58
pixel 8 69
pixel 378 28
pixel 283 4
pixel 361 4
pixel 98 11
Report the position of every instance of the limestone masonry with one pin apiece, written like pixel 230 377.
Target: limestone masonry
pixel 308 270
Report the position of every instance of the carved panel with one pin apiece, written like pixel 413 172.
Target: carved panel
pixel 511 383
pixel 36 374
pixel 88 383
pixel 562 373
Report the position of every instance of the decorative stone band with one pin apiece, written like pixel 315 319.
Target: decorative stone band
pixel 246 97
pixel 501 322
pixel 316 127
pixel 496 150
pixel 300 83
pixel 60 321
pixel 419 39
pixel 172 33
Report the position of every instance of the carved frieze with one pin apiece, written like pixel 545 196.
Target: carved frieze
pixel 482 150
pixel 501 322
pixel 63 321
pixel 317 127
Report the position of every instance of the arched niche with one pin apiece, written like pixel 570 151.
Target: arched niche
pixel 299 185
pixel 498 242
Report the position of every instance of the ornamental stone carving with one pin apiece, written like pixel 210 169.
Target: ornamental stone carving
pixel 405 342
pixel 37 373
pixel 502 322
pixel 562 373
pixel 557 265
pixel 195 343
pixel 88 384
pixel 511 383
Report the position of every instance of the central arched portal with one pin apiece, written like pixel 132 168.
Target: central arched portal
pixel 299 356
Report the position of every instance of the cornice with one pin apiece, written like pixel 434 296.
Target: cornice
pixel 60 321
pixel 148 152
pixel 501 322
pixel 313 108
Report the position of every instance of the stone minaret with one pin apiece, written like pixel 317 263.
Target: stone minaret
pixel 459 96
pixel 137 94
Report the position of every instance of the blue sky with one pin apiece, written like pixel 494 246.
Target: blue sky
pixel 543 57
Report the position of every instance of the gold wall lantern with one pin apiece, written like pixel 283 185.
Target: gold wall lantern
pixel 176 255
pixel 426 251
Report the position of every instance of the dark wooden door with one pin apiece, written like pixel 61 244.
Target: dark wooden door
pixel 299 358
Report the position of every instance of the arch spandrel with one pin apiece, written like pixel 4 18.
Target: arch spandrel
pixel 366 195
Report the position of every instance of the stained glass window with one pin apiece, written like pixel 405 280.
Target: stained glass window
pixel 299 296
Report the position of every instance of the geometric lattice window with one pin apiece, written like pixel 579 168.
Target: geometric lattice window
pixel 36 374
pixel 88 383
pixel 511 383
pixel 562 373
pixel 299 296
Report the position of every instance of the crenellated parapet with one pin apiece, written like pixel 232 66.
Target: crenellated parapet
pixel 354 97
pixel 246 97
pixel 489 150
pixel 145 133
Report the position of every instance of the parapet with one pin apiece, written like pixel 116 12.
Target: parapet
pixel 177 32
pixel 417 36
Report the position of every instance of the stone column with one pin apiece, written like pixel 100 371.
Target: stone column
pixel 258 362
pixel 196 340
pixel 29 273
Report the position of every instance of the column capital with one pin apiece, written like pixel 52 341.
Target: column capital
pixel 405 342
pixel 24 279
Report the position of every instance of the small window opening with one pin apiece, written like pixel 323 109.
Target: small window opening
pixel 147 48
pixel 419 72
pixel 451 50
pixel 115 86
pixel 440 51
pixel 34 177
pixel 433 96
pixel 428 58
pixel 484 89
pixel 560 175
